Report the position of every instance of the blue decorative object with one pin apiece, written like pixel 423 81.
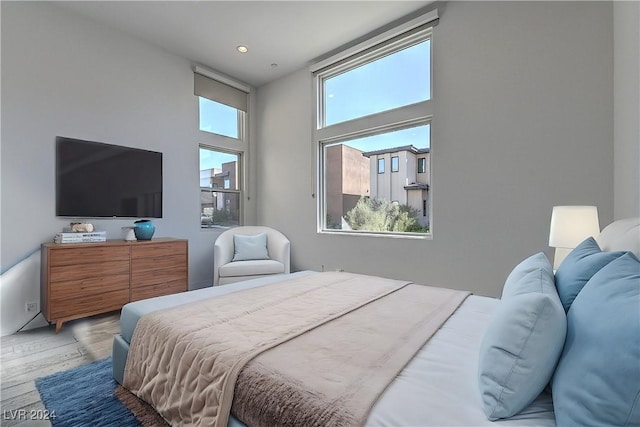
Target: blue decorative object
pixel 144 229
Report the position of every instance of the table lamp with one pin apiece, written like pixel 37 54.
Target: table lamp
pixel 570 225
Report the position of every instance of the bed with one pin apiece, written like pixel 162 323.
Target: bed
pixel 451 379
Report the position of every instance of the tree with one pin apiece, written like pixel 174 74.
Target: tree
pixel 372 214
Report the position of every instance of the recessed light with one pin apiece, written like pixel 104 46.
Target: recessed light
pixel 274 65
pixel 242 49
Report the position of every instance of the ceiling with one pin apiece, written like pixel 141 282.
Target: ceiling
pixel 287 33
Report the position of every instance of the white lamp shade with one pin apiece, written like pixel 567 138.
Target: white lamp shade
pixel 570 225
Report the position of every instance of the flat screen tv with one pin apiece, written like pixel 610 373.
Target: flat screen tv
pixel 97 180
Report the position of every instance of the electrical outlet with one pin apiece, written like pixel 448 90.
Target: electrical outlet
pixel 32 307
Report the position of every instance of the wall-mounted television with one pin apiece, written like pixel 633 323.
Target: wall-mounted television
pixel 97 180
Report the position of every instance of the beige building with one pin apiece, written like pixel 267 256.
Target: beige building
pixel 401 175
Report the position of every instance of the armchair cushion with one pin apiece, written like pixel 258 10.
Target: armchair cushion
pixel 247 248
pixel 251 268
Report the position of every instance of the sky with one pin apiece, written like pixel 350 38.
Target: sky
pixel 210 159
pixel 418 136
pixel 399 79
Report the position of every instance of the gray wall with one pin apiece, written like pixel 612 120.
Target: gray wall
pixel 626 36
pixel 523 122
pixel 65 75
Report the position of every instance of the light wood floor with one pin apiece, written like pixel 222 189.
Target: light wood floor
pixel 28 355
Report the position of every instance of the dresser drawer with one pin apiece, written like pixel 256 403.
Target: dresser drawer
pixel 157 250
pixel 89 304
pixel 72 289
pixel 157 276
pixel 155 263
pixel 156 290
pixel 63 273
pixel 87 255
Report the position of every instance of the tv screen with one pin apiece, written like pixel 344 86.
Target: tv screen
pixel 95 180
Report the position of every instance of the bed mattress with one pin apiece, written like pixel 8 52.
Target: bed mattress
pixel 437 388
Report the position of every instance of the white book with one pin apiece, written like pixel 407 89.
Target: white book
pixel 101 234
pixel 67 241
pixel 79 239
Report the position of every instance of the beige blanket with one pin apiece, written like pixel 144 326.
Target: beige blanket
pixel 185 361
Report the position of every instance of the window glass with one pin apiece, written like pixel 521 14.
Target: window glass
pixel 361 196
pixel 219 188
pixel 395 80
pixel 422 165
pixel 218 118
pixel 395 164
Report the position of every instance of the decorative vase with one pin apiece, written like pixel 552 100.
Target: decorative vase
pixel 144 229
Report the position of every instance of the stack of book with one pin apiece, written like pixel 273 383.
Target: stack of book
pixel 95 236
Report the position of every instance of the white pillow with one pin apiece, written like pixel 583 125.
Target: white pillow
pixel 248 248
pixel 621 235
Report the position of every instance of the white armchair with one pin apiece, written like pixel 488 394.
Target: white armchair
pixel 225 270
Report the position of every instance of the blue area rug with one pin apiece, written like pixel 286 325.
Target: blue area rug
pixel 84 396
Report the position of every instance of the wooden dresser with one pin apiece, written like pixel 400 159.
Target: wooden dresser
pixel 83 279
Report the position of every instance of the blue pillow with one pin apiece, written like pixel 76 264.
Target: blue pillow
pixel 524 277
pixel 523 341
pixel 578 267
pixel 597 381
pixel 247 248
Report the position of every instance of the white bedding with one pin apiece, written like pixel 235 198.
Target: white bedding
pixel 439 386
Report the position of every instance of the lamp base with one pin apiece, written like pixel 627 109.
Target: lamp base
pixel 560 255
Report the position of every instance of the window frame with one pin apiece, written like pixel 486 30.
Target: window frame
pixel 239 146
pixel 395 119
pixel 239 120
pixel 422 165
pixel 381 168
pixel 240 181
pixel 395 165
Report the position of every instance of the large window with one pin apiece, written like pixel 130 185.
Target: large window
pixel 219 188
pixel 373 137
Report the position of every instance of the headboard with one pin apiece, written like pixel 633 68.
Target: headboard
pixel 621 235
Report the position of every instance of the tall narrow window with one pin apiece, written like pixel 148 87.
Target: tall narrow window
pixel 219 188
pixel 422 165
pixel 395 164
pixel 223 144
pixel 374 105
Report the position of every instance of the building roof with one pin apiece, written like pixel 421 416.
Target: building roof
pixel 409 148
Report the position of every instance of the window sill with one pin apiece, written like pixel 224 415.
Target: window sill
pixel 378 234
